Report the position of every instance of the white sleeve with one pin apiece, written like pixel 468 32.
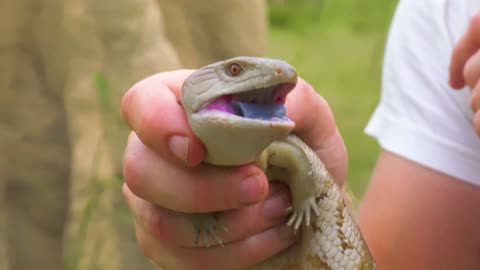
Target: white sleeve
pixel 419 116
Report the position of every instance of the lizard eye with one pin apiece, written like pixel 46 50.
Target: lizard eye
pixel 234 69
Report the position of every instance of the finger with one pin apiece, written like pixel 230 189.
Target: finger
pixel 152 110
pixel 471 72
pixel 161 223
pixel 464 49
pixel 151 248
pixel 233 256
pixel 241 254
pixel 315 124
pixel 256 218
pixel 203 188
pixel 236 255
pixel 475 98
pixel 175 228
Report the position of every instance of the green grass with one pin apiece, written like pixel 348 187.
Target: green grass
pixel 339 52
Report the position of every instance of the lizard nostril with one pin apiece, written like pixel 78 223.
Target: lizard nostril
pixel 278 71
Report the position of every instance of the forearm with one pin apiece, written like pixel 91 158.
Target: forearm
pixel 416 218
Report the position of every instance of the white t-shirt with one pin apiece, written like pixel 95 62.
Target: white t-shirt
pixel 419 116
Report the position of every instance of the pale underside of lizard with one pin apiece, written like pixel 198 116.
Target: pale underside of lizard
pixel 237 109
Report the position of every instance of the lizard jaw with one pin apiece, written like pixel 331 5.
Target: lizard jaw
pixel 239 138
pixel 221 112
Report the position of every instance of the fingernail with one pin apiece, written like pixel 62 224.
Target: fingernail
pixel 251 190
pixel 275 206
pixel 179 147
pixel 286 233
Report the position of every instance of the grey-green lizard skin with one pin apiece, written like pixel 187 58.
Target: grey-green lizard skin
pixel 217 99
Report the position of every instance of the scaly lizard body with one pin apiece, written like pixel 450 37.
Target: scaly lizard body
pixel 236 107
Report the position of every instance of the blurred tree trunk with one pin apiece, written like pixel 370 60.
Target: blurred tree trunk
pixel 207 31
pixel 3 220
pixel 33 136
pixel 65 66
pixel 119 42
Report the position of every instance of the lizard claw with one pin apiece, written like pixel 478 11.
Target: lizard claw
pixel 302 213
pixel 205 235
pixel 207 227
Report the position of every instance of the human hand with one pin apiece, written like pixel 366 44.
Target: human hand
pixel 164 176
pixel 465 66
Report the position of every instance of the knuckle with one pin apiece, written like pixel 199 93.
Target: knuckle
pixel 125 192
pixel 231 191
pixel 131 172
pixel 149 113
pixel 221 192
pixel 148 123
pixel 127 100
pixel 157 224
pixel 131 99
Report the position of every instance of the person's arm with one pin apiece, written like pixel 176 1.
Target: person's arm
pixel 421 210
pixel 414 217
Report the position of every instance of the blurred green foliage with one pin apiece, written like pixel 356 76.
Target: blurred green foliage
pixel 337 46
pixel 100 83
pixel 360 15
pixel 294 14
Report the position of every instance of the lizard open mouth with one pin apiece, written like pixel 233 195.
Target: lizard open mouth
pixel 262 104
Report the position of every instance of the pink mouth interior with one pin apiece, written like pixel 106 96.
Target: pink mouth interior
pixel 226 103
pixel 223 104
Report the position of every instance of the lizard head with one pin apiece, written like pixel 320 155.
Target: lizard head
pixel 237 106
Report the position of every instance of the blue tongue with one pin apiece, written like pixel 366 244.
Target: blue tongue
pixel 259 111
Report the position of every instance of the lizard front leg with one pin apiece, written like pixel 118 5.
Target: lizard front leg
pixel 289 161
